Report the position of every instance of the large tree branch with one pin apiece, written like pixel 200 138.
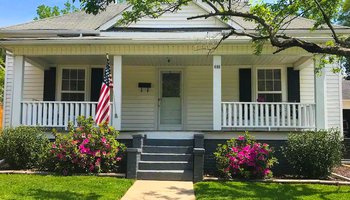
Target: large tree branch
pixel 238 33
pixel 281 41
pixel 329 24
pixel 285 22
pixel 231 13
pixel 266 27
pixel 211 5
pixel 285 42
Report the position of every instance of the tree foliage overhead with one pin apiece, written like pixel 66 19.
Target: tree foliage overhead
pixel 271 19
pixel 344 19
pixel 44 11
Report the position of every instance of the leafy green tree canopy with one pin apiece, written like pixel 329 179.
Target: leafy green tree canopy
pixel 44 11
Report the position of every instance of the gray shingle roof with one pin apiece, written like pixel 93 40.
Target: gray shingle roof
pixel 73 21
pixel 346 89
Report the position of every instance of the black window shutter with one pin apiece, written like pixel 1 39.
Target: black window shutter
pixel 245 85
pixel 96 82
pixel 50 84
pixel 293 77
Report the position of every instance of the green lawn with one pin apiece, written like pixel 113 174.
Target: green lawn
pixel 62 187
pixel 248 190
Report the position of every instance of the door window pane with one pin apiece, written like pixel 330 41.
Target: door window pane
pixel 170 106
pixel 171 84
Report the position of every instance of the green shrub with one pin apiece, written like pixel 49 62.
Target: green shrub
pixel 86 149
pixel 245 158
pixel 314 154
pixel 23 147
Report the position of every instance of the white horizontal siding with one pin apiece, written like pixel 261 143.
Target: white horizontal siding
pixel 8 90
pixel 334 108
pixel 179 19
pixel 33 86
pixel 138 108
pixel 33 83
pixel 199 98
pixel 307 87
pixel 230 83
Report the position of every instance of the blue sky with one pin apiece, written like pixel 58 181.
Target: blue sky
pixel 20 11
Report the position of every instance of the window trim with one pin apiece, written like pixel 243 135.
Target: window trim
pixel 59 81
pixel 283 81
pixel 269 92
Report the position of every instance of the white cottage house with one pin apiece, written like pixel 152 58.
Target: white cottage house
pixel 166 85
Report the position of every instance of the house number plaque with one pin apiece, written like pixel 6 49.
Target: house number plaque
pixel 217 66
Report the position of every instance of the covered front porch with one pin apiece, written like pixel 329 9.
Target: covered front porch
pixel 173 92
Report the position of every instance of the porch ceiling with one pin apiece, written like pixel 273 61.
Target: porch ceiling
pixel 168 60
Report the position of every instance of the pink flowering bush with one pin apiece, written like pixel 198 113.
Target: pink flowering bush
pixel 86 149
pixel 245 158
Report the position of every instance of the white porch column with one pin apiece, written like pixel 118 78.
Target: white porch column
pixel 117 92
pixel 321 99
pixel 217 92
pixel 18 74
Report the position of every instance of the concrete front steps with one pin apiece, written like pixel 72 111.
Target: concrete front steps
pixel 166 159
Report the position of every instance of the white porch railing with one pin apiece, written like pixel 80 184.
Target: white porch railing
pixel 268 115
pixel 55 113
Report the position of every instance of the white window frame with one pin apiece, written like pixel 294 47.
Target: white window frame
pixel 87 81
pixel 283 81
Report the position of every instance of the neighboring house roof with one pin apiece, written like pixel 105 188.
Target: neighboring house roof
pixel 346 89
pixel 72 21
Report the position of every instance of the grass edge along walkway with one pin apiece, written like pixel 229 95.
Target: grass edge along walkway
pixel 18 186
pixel 256 190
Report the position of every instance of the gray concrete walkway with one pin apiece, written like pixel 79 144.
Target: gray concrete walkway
pixel 167 190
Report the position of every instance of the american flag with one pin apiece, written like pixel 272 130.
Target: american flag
pixel 103 106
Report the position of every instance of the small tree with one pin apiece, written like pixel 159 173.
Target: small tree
pixel 44 11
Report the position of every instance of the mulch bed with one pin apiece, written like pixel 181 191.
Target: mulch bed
pixel 118 175
pixel 343 170
pixel 334 179
pixel 341 173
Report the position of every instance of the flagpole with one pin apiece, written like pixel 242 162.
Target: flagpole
pixel 114 107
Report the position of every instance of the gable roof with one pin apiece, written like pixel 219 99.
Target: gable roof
pixel 83 26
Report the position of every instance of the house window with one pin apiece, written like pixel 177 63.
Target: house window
pixel 73 85
pixel 269 85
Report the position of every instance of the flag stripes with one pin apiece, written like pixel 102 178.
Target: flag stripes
pixel 104 105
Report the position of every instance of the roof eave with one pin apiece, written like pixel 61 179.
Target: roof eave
pixel 99 40
pixel 45 33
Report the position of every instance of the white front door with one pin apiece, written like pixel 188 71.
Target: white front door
pixel 170 100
